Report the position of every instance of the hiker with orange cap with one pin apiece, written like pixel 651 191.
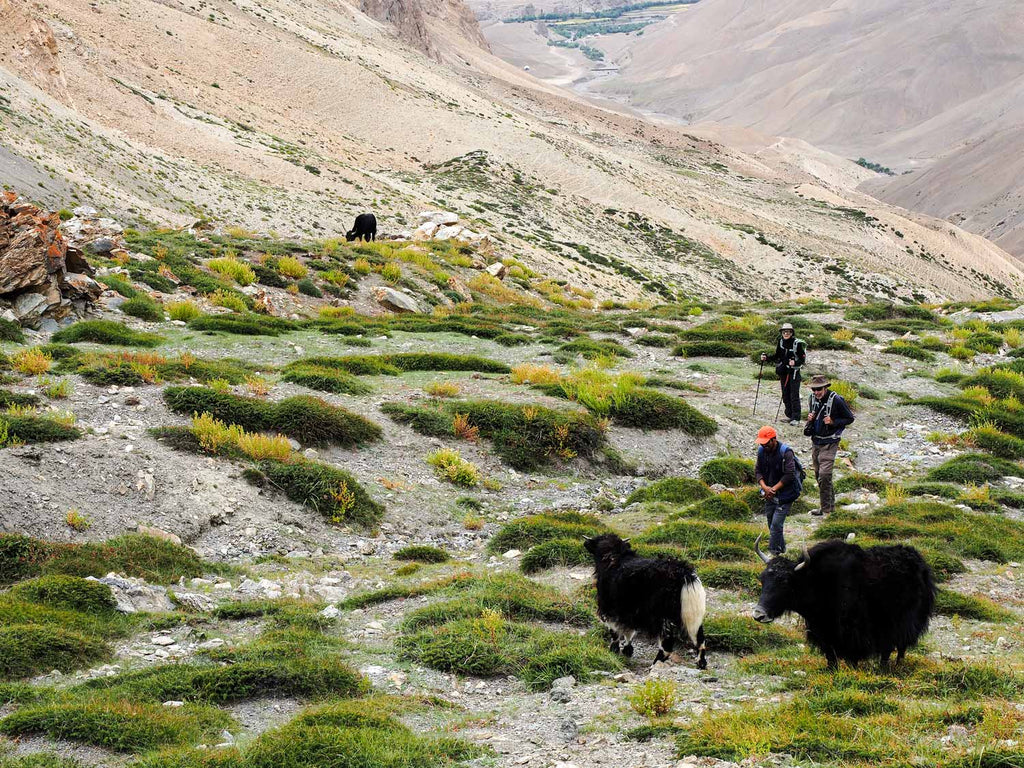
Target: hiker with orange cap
pixel 780 476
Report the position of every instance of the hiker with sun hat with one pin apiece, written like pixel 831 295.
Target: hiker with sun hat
pixel 789 357
pixel 829 416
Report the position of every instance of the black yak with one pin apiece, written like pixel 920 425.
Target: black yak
pixel 365 228
pixel 857 603
pixel 651 597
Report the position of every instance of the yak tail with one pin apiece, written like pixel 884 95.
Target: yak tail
pixel 694 605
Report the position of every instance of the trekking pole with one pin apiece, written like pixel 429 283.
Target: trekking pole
pixel 781 399
pixel 758 392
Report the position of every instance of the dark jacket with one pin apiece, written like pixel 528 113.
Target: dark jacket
pixel 779 465
pixel 786 350
pixel 831 405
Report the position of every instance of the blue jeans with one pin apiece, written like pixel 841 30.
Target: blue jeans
pixel 776 512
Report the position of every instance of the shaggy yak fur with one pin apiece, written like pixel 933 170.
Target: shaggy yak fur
pixel 857 603
pixel 365 228
pixel 651 597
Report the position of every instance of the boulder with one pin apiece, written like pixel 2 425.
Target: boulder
pixel 78 286
pixel 425 231
pixel 394 300
pixel 456 285
pixel 497 269
pixel 29 307
pixel 439 217
pixel 101 246
pixel 448 232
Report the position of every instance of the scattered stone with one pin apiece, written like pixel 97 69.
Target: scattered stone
pixel 394 300
pixel 157 533
pixel 498 270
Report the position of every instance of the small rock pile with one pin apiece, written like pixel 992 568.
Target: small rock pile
pixel 43 279
pixel 442 225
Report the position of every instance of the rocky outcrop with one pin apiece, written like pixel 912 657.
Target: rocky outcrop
pixel 41 275
pixel 413 19
pixel 443 225
pixel 28 47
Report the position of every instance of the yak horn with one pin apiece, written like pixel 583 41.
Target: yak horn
pixel 625 541
pixel 807 558
pixel 757 549
pixel 588 538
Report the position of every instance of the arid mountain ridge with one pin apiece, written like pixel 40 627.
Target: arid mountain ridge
pixel 932 89
pixel 292 118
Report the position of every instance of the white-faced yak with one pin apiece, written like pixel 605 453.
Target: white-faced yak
pixel 857 603
pixel 655 598
pixel 364 228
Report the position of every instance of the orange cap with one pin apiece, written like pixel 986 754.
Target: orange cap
pixel 765 434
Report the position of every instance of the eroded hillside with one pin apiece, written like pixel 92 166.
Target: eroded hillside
pixel 292 118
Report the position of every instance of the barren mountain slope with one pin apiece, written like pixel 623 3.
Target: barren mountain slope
pixel 293 117
pixel 912 85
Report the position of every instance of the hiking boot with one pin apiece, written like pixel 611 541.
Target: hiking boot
pixel 817 512
pixel 794 422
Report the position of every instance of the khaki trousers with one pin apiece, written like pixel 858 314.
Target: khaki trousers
pixel 824 459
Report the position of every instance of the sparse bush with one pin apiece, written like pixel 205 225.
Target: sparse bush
pixel 422 553
pixel 232 268
pixel 450 466
pixel 908 349
pixel 289 266
pixel 144 308
pixel 307 287
pixel 183 311
pixel 29 428
pixel 32 361
pixel 653 698
pixel 527 373
pixel 443 389
pixel 325 379
pixel 105 332
pixel 708 349
pixel 332 492
pixel 76 521
pixel 391 272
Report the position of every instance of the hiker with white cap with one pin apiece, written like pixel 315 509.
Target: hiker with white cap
pixel 789 357
pixel 829 416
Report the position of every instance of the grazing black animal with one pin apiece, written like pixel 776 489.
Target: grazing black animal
pixel 651 597
pixel 365 228
pixel 857 603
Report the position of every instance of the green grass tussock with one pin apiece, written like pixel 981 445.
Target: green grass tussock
pixel 332 492
pixel 741 635
pixel 248 324
pixel 35 429
pixel 701 540
pixel 730 471
pixel 531 530
pixel 395 364
pixel 974 468
pixel 326 380
pixel 105 332
pixel 950 603
pixel 121 726
pixel 144 308
pixel 708 349
pixel 554 553
pixel 71 593
pixel 422 553
pixel 32 649
pixel 309 420
pixel 155 560
pixel 722 506
pixel 675 490
pixel 525 436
